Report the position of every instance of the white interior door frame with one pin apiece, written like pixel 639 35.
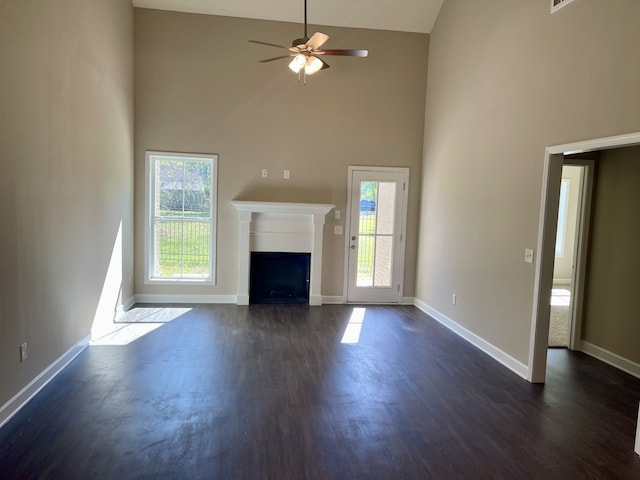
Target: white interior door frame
pixel 554 159
pixel 403 223
pixel 578 272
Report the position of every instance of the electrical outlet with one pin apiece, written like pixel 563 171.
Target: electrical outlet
pixel 287 174
pixel 23 352
pixel 265 173
pixel 528 255
pixel 454 298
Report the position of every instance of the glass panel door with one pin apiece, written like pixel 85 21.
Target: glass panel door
pixel 376 213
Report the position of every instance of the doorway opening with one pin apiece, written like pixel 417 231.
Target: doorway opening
pixel 555 158
pixel 575 198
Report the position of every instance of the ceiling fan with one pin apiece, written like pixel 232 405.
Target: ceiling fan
pixel 306 52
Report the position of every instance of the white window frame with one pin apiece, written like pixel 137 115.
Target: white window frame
pixel 150 159
pixel 557 6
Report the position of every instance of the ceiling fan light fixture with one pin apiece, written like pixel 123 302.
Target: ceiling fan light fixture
pixel 312 65
pixel 298 63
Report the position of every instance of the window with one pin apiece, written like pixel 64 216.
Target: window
pixel 558 4
pixel 181 206
pixel 563 206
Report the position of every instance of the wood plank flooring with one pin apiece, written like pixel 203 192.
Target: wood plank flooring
pixel 270 392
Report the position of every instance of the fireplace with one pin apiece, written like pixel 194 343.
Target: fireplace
pixel 280 227
pixel 279 278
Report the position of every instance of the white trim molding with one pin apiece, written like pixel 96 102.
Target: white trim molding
pixel 20 399
pixel 637 447
pixel 333 299
pixel 173 298
pixel 611 358
pixel 494 352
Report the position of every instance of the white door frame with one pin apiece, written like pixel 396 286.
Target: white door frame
pixel 581 249
pixel 403 223
pixel 554 159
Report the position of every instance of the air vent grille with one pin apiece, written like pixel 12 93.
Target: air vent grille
pixel 558 4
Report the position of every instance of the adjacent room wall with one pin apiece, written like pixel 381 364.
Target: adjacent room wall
pixel 613 275
pixel 506 79
pixel 200 88
pixel 66 175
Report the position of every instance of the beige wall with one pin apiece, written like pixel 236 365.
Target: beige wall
pixel 66 173
pixel 200 88
pixel 613 275
pixel 506 79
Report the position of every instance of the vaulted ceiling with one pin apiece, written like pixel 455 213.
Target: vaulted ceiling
pixel 401 15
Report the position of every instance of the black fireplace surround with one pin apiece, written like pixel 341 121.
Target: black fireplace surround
pixel 279 278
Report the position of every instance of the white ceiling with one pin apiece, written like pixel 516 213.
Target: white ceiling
pixel 401 15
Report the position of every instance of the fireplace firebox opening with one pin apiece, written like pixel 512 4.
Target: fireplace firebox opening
pixel 279 278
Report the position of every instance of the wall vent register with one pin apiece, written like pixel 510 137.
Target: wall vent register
pixel 558 4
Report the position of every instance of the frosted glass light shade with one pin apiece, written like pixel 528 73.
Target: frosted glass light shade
pixel 297 63
pixel 312 65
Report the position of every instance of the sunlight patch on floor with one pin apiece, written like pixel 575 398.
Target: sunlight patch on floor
pixel 351 334
pixel 136 323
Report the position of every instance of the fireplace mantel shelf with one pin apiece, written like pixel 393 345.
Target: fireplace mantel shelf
pixel 282 207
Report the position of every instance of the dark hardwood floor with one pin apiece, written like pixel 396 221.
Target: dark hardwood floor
pixel 270 392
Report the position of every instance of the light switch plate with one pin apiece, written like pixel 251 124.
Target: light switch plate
pixel 337 229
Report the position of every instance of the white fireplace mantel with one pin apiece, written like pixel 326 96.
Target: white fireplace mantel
pixel 281 227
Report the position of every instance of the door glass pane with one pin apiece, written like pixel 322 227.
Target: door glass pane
pixel 368 197
pixel 366 230
pixel 386 205
pixel 382 267
pixel 366 247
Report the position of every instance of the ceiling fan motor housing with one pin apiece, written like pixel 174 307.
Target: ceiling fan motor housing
pixel 299 41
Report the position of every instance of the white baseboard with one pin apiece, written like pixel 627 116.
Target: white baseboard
pixel 160 298
pixel 339 300
pixel 504 358
pixel 20 399
pixel 333 299
pixel 126 305
pixel 606 356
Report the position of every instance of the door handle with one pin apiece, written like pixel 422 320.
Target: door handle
pixel 353 238
pixel 353 247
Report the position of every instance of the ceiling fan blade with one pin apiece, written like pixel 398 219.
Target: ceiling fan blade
pixel 273 45
pixel 276 58
pixel 317 40
pixel 348 53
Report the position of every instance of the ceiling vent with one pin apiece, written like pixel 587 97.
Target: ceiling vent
pixel 558 4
